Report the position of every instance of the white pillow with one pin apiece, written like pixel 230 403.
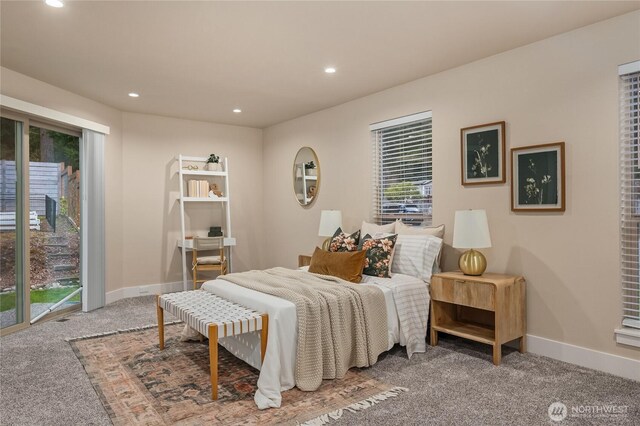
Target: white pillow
pixel 416 255
pixel 437 231
pixel 376 231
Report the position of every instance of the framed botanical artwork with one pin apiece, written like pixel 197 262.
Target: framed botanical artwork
pixel 537 178
pixel 483 154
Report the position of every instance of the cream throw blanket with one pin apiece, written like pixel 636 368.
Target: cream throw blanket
pixel 340 324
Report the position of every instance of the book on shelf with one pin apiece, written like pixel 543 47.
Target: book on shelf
pixel 197 188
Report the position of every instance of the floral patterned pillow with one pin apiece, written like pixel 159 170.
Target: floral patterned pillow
pixel 378 255
pixel 344 242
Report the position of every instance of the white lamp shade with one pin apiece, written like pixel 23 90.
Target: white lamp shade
pixel 471 229
pixel 330 220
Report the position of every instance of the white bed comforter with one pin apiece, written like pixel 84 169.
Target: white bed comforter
pixel 411 304
pixel 406 299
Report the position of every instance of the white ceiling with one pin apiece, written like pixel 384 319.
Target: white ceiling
pixel 199 60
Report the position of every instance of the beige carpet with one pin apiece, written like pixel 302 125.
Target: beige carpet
pixel 139 384
pixel 455 383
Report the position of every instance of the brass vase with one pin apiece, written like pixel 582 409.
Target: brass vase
pixel 472 262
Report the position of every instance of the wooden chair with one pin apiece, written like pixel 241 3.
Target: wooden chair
pixel 200 263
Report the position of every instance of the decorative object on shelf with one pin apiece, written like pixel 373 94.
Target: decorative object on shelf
pixel 311 192
pixel 214 191
pixel 483 154
pixel 537 178
pixel 213 163
pixel 215 231
pixel 197 188
pixel 191 167
pixel 310 168
pixel 330 221
pixel 306 174
pixel 471 231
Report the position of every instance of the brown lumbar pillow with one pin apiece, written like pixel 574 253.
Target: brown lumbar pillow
pixel 346 265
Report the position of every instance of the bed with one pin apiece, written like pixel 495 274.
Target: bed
pixel 406 299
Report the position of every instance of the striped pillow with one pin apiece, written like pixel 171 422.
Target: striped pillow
pixel 437 231
pixel 415 255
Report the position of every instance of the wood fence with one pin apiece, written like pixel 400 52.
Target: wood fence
pixel 45 179
pixel 70 190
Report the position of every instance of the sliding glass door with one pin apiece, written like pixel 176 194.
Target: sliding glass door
pixel 54 214
pixel 14 312
pixel 40 240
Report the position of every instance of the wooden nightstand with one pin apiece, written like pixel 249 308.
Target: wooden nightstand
pixel 304 260
pixel 488 309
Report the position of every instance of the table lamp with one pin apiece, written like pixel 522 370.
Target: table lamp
pixel 471 231
pixel 330 221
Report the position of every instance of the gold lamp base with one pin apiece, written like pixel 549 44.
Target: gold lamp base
pixel 472 263
pixel 326 244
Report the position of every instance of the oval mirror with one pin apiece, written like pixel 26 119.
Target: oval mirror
pixel 306 176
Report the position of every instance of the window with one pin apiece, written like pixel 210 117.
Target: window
pixel 402 174
pixel 630 194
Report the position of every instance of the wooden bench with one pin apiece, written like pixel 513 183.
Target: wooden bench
pixel 213 317
pixel 8 221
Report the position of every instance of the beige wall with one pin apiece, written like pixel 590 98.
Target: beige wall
pixel 151 224
pixel 560 89
pixel 28 89
pixel 142 216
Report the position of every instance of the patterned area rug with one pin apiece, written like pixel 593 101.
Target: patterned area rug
pixel 139 384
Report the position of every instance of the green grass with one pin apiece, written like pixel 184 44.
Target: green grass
pixel 53 295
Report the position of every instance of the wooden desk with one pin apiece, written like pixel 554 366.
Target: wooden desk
pixel 188 243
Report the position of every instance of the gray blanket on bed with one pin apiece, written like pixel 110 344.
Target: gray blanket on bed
pixel 340 324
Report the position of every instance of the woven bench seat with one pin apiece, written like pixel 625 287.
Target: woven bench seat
pixel 213 317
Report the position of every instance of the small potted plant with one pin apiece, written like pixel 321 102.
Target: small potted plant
pixel 213 163
pixel 310 168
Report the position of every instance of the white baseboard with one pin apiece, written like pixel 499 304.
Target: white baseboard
pixel 143 290
pixel 602 361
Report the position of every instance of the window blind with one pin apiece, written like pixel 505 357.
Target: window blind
pixel 630 192
pixel 402 170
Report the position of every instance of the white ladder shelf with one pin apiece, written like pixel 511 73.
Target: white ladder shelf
pixel 184 173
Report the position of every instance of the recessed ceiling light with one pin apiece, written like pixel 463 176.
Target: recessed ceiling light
pixel 237 110
pixel 330 70
pixel 54 3
pixel 134 95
